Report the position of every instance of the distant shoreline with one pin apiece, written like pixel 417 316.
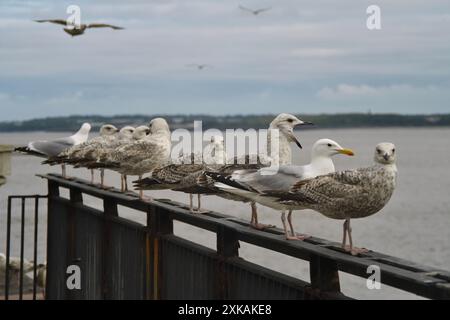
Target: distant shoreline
pixel 322 121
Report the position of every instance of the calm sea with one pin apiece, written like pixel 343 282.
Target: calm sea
pixel 415 225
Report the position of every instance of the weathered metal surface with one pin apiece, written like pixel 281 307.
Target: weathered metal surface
pixel 165 266
pixel 23 285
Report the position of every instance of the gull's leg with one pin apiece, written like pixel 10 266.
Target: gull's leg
pixel 125 182
pixel 92 176
pixel 254 220
pixel 353 250
pixel 122 188
pixel 199 206
pixel 102 178
pixel 191 203
pixel 63 169
pixel 286 232
pixel 344 237
pixel 299 237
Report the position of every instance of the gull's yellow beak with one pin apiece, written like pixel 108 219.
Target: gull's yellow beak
pixel 347 152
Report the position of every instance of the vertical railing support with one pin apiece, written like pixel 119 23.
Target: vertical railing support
pixel 324 276
pixel 160 224
pixel 227 247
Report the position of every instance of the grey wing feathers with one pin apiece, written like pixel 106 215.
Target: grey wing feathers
pixel 104 25
pixel 57 21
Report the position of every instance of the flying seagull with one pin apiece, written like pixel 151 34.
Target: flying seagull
pixel 78 30
pixel 199 66
pixel 254 11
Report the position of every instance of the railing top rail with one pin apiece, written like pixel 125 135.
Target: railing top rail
pixel 405 275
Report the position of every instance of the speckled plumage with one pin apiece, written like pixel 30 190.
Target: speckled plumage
pixel 347 194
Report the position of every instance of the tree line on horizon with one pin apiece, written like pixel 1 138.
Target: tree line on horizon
pixel 349 120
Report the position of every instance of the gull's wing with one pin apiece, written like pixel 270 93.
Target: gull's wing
pixel 57 21
pixel 262 10
pixel 169 176
pixel 270 178
pixel 331 187
pixel 246 9
pixel 104 25
pixel 51 148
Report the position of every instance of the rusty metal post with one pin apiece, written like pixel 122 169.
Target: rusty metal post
pixel 227 247
pixel 324 277
pixel 161 224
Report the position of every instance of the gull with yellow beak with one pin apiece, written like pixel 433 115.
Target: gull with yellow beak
pixel 263 185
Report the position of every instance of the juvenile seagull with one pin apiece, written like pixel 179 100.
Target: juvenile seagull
pixel 254 12
pixel 256 185
pixel 350 194
pixel 77 30
pixel 96 158
pixel 52 148
pixel 145 155
pixel 82 151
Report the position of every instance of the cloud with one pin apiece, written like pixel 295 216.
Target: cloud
pixel 347 91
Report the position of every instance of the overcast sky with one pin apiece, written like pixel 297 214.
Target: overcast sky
pixel 301 56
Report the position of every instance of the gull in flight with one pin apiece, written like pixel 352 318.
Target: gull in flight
pixel 350 194
pixel 259 185
pixel 52 148
pixel 77 30
pixel 254 11
pixel 199 66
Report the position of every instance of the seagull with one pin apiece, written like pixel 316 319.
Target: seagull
pixel 142 156
pixel 81 151
pixel 254 12
pixel 256 184
pixel 77 30
pixel 350 194
pixel 14 264
pixel 184 176
pixel 52 148
pixel 95 159
pixel 199 66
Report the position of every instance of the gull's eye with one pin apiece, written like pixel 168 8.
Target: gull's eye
pixel 290 120
pixel 379 151
pixel 393 150
pixel 330 145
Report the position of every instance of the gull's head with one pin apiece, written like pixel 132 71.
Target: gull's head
pixel 329 148
pixel 159 125
pixel 385 153
pixel 286 123
pixel 126 132
pixel 108 130
pixel 217 140
pixel 141 132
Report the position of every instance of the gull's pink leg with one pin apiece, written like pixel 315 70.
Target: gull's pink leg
pixel 294 234
pixel 92 176
pixel 254 220
pixel 353 250
pixel 286 232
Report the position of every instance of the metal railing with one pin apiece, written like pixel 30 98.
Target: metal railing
pixel 35 199
pixel 122 259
